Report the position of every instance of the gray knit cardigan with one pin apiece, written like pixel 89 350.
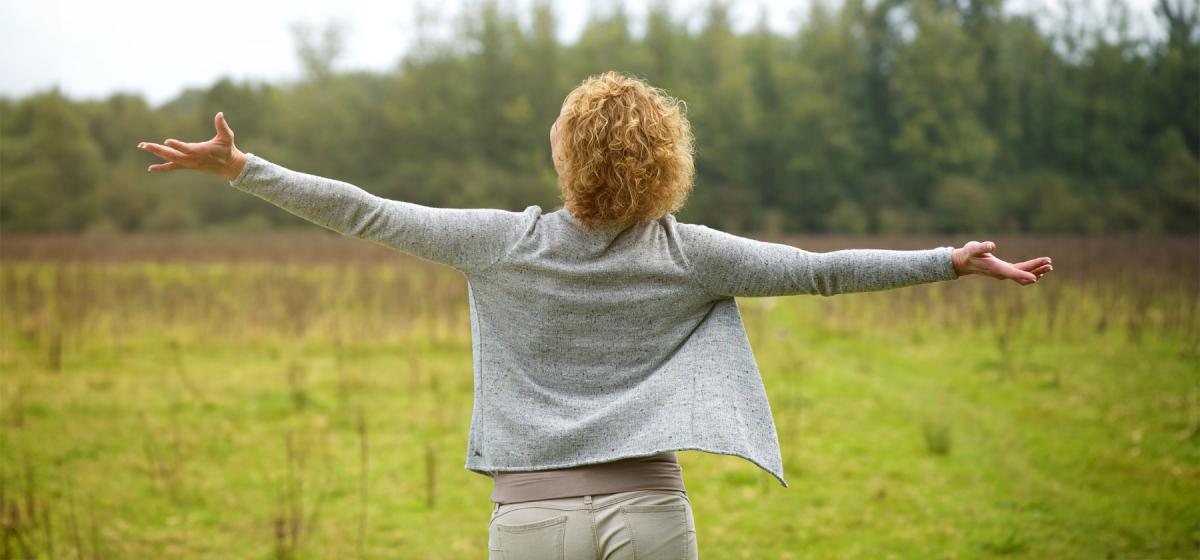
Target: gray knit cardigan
pixel 595 345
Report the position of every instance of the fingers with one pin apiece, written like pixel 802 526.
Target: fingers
pixel 1024 278
pixel 1041 270
pixel 170 165
pixel 1033 263
pixel 162 151
pixel 223 130
pixel 182 147
pixel 1037 267
pixel 976 248
pixel 1002 270
pixel 1024 273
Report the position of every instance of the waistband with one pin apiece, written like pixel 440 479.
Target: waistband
pixel 656 472
pixel 585 502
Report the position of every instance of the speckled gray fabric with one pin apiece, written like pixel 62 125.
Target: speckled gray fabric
pixel 591 346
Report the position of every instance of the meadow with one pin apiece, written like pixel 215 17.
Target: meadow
pixel 303 396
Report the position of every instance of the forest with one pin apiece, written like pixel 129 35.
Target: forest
pixel 884 117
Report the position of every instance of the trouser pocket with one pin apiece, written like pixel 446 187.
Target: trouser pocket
pixel 543 539
pixel 660 531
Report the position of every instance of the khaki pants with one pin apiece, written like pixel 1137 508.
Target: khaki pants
pixel 637 525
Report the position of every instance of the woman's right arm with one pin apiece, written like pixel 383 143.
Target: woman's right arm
pixel 729 266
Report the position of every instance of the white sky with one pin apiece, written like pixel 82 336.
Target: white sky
pixel 91 48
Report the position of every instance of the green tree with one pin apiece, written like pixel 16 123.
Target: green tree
pixel 965 206
pixel 51 164
pixel 938 99
pixel 721 110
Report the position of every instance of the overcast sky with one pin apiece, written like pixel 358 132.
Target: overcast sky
pixel 91 48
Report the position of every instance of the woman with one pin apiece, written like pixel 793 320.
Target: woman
pixel 605 335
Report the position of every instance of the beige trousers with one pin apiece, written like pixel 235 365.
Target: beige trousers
pixel 637 525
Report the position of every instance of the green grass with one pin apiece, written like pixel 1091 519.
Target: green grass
pixel 903 437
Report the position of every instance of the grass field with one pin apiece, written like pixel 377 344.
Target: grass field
pixel 307 396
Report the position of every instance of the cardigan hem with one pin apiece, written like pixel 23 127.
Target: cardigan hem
pixel 488 470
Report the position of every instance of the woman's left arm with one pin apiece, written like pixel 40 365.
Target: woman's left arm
pixel 469 240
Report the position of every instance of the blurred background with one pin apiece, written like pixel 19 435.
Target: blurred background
pixel 189 372
pixel 855 117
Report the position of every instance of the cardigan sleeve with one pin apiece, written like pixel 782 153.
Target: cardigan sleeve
pixel 466 239
pixel 728 265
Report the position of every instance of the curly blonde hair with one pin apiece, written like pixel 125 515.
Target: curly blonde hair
pixel 625 151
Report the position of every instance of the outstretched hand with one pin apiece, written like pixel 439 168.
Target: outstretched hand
pixel 976 258
pixel 217 156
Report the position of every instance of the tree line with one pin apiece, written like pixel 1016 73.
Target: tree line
pixel 892 116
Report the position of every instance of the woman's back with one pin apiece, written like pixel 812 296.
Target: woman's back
pixel 585 313
pixel 594 344
pixel 584 345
